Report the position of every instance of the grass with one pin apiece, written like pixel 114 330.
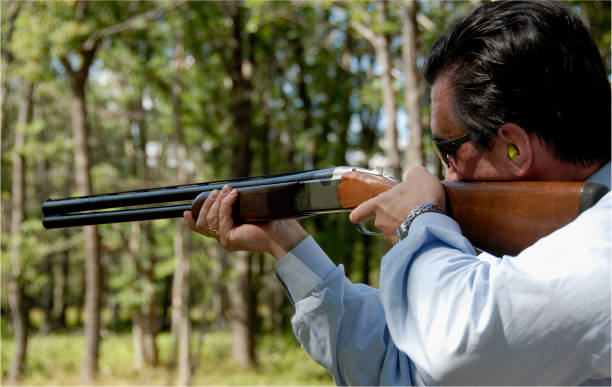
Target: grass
pixel 55 359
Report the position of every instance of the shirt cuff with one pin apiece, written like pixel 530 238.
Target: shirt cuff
pixel 435 219
pixel 303 268
pixel 421 223
pixel 448 223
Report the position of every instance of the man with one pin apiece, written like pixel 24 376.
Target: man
pixel 519 92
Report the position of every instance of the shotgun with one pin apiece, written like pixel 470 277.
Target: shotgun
pixel 497 217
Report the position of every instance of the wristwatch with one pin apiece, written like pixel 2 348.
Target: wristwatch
pixel 402 230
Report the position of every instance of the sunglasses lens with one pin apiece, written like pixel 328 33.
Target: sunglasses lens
pixel 448 147
pixel 441 155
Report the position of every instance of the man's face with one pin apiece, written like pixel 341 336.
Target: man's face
pixel 468 162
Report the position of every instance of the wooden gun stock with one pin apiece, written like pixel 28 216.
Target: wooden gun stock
pixel 506 217
pixel 498 217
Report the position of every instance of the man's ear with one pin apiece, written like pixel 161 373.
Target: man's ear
pixel 515 149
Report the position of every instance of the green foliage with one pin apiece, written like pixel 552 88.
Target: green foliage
pixel 30 42
pixel 56 359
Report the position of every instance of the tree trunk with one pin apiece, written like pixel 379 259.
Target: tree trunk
pixel 15 289
pixel 144 260
pixel 143 316
pixel 148 310
pixel 343 144
pixel 380 43
pixel 180 285
pixel 220 296
pixel 412 100
pixel 243 308
pixel 150 345
pixel 311 157
pixel 7 58
pixel 368 131
pixel 93 280
pixel 277 293
pixel 383 56
pixel 149 321
pixel 184 355
pixel 60 285
pixel 47 296
pixel 80 129
pixel 137 341
pixel 180 309
pixel 57 269
pixel 20 327
pixel 242 298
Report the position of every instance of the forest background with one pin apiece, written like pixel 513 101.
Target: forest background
pixel 109 96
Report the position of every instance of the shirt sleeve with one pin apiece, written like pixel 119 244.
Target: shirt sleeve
pixel 542 317
pixel 340 324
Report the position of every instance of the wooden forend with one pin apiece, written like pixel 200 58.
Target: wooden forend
pixel 358 187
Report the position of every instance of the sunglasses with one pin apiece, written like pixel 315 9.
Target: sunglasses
pixel 448 147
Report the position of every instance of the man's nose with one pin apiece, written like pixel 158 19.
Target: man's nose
pixel 451 174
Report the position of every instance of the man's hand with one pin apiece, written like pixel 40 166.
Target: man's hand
pixel 215 221
pixel 392 207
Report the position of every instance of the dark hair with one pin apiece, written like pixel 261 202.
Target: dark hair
pixel 533 64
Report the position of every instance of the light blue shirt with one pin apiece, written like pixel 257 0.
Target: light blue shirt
pixel 444 315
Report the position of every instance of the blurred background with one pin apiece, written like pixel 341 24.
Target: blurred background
pixel 108 96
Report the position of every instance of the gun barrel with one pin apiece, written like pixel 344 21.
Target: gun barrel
pixel 128 215
pixel 167 194
pixel 53 207
pixel 171 201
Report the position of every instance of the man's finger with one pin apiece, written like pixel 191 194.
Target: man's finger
pixel 364 212
pixel 226 222
pixel 213 215
pixel 210 200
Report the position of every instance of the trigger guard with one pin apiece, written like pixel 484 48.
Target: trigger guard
pixel 363 229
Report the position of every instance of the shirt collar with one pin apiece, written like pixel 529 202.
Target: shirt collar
pixel 601 176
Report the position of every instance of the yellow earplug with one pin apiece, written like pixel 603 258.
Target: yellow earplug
pixel 512 151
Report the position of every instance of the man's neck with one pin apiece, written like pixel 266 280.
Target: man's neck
pixel 555 170
pixel 547 167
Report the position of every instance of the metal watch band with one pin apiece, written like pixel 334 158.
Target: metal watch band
pixel 402 230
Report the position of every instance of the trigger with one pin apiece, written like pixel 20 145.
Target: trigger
pixel 363 229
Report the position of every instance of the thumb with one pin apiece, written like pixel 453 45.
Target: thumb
pixel 190 221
